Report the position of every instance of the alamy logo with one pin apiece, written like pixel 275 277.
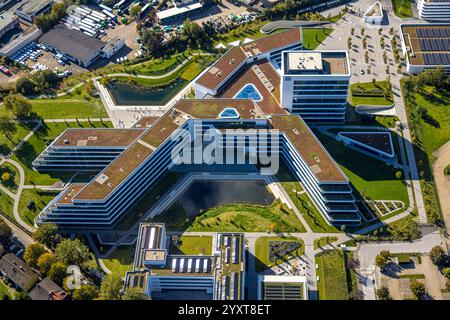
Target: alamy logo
pixel 228 147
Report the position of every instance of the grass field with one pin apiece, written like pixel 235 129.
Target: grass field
pixel 39 198
pixel 121 260
pixel 6 205
pixel 39 141
pixel 312 37
pixel 235 218
pixel 402 8
pixel 6 144
pixel 332 284
pixel 262 261
pixel 193 245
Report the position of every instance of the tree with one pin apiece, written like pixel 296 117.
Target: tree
pixel 25 86
pixel 437 255
pixel 446 272
pixel 134 294
pixel 46 234
pixel 135 11
pixel 111 287
pixel 72 252
pixel 18 104
pixel 7 126
pixel 46 261
pixel 383 294
pixel 57 272
pixel 6 176
pixel 398 174
pixel 5 231
pixel 418 289
pixel 32 254
pixel 382 259
pixel 86 292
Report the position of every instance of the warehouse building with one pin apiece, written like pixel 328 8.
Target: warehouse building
pixel 178 12
pixel 8 22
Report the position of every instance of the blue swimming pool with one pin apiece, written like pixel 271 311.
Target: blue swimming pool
pixel 229 113
pixel 249 91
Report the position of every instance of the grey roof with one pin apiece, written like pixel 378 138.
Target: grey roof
pixel 6 18
pixel 47 290
pixel 32 6
pixel 73 42
pixel 18 271
pixel 2 250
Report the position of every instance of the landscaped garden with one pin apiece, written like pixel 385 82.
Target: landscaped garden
pixel 332 284
pixel 402 8
pixel 9 177
pixel 234 218
pixel 263 246
pixel 193 245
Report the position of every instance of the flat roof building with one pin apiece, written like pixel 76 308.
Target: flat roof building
pixel 426 46
pixel 77 46
pixel 275 287
pixel 30 9
pixel 163 275
pixel 178 12
pixel 8 22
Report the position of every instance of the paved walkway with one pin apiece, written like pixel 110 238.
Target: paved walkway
pixel 443 181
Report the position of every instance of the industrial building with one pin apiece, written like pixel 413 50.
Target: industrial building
pixel 178 12
pixel 30 9
pixel 425 46
pixel 79 47
pixel 162 275
pixel 8 22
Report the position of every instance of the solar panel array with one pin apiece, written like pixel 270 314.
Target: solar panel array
pixel 438 32
pixel 436 58
pixel 434 44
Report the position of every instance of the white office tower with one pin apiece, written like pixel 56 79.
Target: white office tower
pixel 315 84
pixel 434 10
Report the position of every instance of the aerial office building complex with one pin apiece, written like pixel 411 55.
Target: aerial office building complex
pixel 162 275
pixel 242 91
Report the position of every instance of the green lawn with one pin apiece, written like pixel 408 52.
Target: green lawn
pixel 6 205
pixel 367 100
pixel 322 242
pixel 39 141
pixel 159 66
pixel 12 183
pixel 121 260
pixel 262 261
pixel 372 178
pixel 332 284
pixel 312 37
pixel 40 199
pixel 6 144
pixel 437 105
pixel 402 8
pixel 193 245
pixel 234 218
pixel 68 108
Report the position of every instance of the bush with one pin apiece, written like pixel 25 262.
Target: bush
pixel 447 170
pixel 437 255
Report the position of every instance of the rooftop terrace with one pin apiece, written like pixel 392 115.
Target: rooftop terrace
pixel 310 149
pixel 101 137
pixel 315 62
pixel 237 56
